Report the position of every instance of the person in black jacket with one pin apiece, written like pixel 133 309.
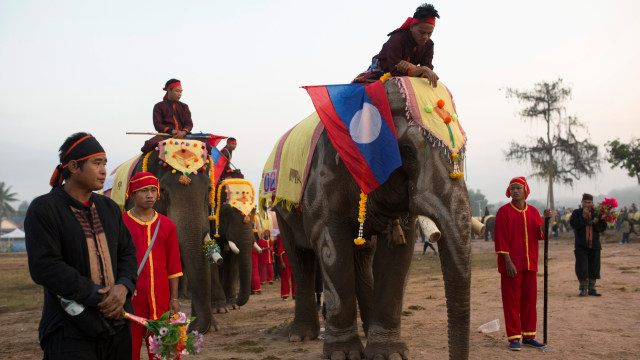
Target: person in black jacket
pixel 82 254
pixel 587 228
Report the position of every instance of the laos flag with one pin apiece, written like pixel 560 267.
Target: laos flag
pixel 360 126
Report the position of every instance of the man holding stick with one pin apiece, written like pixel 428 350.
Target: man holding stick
pixel 518 229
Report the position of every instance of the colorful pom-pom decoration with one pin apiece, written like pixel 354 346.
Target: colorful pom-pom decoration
pixel 447 119
pixel 440 103
pixel 196 160
pixel 164 143
pixel 173 171
pixel 428 108
pixel 187 144
pixel 166 152
pixel 183 150
pixel 164 164
pixel 157 148
pixel 454 117
pixel 160 162
pixel 171 142
pixel 174 155
pixel 195 145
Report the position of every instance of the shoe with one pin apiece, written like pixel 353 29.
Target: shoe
pixel 514 345
pixel 593 292
pixel 533 343
pixel 583 292
pixel 270 282
pixel 285 299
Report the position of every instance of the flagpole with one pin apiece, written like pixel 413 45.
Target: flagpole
pixel 546 272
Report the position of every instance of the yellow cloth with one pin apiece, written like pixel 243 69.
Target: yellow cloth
pixel 184 155
pixel 292 165
pixel 240 195
pixel 419 94
pixel 267 221
pixel 121 179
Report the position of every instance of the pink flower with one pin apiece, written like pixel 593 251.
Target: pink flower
pixel 154 344
pixel 182 318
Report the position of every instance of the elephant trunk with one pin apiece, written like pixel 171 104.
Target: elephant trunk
pixel 244 272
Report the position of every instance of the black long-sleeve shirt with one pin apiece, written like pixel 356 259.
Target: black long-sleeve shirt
pixel 58 255
pixel 579 225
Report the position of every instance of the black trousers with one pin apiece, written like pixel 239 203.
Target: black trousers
pixel 58 347
pixel 587 263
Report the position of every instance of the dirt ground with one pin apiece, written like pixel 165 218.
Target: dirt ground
pixel 579 327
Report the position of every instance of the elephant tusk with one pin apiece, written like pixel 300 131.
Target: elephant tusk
pixel 216 257
pixel 233 247
pixel 429 228
pixel 477 227
pixel 257 247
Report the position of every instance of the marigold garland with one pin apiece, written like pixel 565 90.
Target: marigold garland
pixel 385 77
pixel 212 192
pixel 145 162
pixel 362 212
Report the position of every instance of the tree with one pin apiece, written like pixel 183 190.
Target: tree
pixel 478 202
pixel 6 197
pixel 626 156
pixel 558 156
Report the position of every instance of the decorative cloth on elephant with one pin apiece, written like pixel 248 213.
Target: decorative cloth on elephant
pixel 284 176
pixel 360 126
pixel 115 186
pixel 240 195
pixel 184 155
pixel 433 110
pixel 141 181
pixel 83 149
pixel 519 180
pixel 266 220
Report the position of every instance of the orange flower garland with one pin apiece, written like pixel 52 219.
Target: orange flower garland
pixel 362 212
pixel 219 203
pixel 145 162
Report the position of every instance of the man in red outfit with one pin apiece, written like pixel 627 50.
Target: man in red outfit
pixel 265 259
pixel 518 229
pixel 157 287
pixel 286 274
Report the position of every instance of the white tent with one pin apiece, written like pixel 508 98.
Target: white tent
pixel 15 234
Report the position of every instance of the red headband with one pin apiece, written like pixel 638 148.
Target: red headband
pixel 231 141
pixel 142 180
pixel 518 180
pixel 411 21
pixel 171 86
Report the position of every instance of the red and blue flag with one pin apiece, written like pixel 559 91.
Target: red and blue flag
pixel 219 163
pixel 360 126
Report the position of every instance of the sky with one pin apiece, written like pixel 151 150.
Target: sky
pixel 69 66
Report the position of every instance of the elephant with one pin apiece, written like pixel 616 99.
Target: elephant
pixel 373 276
pixel 236 240
pixel 489 221
pixel 188 208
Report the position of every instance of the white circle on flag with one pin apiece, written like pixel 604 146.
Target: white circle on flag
pixel 366 124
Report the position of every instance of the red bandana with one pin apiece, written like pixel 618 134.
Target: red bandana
pixel 142 180
pixel 518 180
pixel 169 88
pixel 410 21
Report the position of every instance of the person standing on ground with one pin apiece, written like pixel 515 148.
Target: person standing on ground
pixel 518 229
pixel 587 228
pixel 265 258
pixel 81 253
pixel 625 227
pixel 153 234
pixel 286 288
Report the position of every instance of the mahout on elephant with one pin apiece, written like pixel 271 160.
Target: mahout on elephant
pixel 428 186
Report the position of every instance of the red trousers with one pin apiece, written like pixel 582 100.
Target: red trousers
pixel 255 276
pixel 138 331
pixel 266 272
pixel 284 283
pixel 519 296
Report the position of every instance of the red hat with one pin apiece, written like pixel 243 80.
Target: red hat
pixel 142 180
pixel 518 180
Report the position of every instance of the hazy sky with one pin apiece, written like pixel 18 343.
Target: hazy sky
pixel 69 66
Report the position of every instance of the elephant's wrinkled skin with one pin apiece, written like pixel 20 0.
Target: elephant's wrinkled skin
pixel 376 273
pixel 236 268
pixel 188 208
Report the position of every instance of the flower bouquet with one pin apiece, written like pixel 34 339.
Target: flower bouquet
pixel 605 210
pixel 170 339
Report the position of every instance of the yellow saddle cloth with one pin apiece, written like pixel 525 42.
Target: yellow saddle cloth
pixel 184 155
pixel 115 186
pixel 433 109
pixel 285 173
pixel 240 195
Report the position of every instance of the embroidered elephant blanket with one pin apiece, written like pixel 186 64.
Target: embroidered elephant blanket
pixel 285 173
pixel 184 155
pixel 115 186
pixel 240 195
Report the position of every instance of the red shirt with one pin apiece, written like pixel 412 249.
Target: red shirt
pixel 280 251
pixel 517 233
pixel 163 262
pixel 267 251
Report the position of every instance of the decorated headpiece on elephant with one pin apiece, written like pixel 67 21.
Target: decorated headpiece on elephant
pixel 375 159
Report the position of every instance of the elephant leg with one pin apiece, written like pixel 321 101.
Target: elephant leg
pixel 218 300
pixel 363 260
pixel 197 269
pixel 183 290
pixel 229 276
pixel 390 270
pixel 339 275
pixel 306 325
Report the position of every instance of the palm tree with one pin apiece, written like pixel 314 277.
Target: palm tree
pixel 6 197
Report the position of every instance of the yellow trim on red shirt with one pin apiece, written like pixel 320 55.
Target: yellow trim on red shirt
pixel 526 231
pixel 175 275
pixel 502 252
pixel 147 225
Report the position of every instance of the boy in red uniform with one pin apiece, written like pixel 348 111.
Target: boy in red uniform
pixel 157 287
pixel 518 229
pixel 409 50
pixel 285 289
pixel 265 259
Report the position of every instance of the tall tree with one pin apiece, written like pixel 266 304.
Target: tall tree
pixel 478 202
pixel 558 156
pixel 626 156
pixel 6 198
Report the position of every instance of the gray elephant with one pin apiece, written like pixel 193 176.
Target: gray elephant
pixel 489 222
pixel 231 281
pixel 185 200
pixel 373 275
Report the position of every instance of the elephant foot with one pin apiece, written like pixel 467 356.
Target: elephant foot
pixel 203 326
pixel 351 350
pixel 384 351
pixel 304 333
pixel 220 310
